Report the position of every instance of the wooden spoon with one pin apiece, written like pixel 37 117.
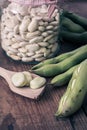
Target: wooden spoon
pixel 25 91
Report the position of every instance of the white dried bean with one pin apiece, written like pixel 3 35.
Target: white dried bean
pixel 14 40
pixel 32 47
pixel 44 9
pixel 21 44
pixel 33 34
pixel 41 23
pixel 18 38
pixel 12 49
pixel 57 17
pixel 49 27
pixel 46 24
pixel 42 50
pixel 47 19
pixel 55 47
pixel 16 29
pixel 24 25
pixel 21 54
pixel 50 46
pixel 50 55
pixel 55 28
pixel 10 35
pixel 38 18
pixel 4 36
pixel 50 32
pixel 38 56
pixel 7 42
pixel 23 10
pixel 23 50
pixel 55 13
pixel 32 12
pixel 14 57
pixel 48 38
pixel 23 36
pixel 15 46
pixel 36 39
pixel 27 59
pixel 30 53
pixel 44 34
pixel 8 25
pixel 4 47
pixel 55 23
pixel 33 25
pixel 10 53
pixel 9 14
pixel 8 29
pixel 46 54
pixel 14 21
pixel 53 40
pixel 40 59
pixel 19 17
pixel 43 44
pixel 41 28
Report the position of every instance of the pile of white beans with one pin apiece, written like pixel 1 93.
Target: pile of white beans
pixel 28 34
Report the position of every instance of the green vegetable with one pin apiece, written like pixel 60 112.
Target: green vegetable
pixel 76 18
pixel 73 37
pixel 71 26
pixel 73 98
pixel 55 69
pixel 63 78
pixel 58 58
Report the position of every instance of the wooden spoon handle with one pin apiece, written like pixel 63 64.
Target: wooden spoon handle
pixel 3 72
pixel 6 74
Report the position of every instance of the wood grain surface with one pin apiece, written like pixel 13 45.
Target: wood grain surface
pixel 19 113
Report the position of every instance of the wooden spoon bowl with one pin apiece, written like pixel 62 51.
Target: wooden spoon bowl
pixel 25 91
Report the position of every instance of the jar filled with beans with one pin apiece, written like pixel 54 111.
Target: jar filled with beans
pixel 29 30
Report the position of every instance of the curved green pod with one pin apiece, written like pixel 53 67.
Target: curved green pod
pixel 63 78
pixel 71 26
pixel 77 38
pixel 55 69
pixel 76 18
pixel 73 98
pixel 58 58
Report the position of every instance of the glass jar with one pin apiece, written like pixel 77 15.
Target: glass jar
pixel 29 30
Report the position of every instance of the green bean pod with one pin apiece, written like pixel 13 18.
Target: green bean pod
pixel 73 98
pixel 76 18
pixel 63 78
pixel 58 58
pixel 71 26
pixel 79 38
pixel 55 69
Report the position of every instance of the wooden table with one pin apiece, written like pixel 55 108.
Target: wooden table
pixel 19 113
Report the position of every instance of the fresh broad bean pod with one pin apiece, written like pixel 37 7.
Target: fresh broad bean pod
pixel 63 78
pixel 76 18
pixel 58 58
pixel 71 26
pixel 79 38
pixel 55 69
pixel 73 98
